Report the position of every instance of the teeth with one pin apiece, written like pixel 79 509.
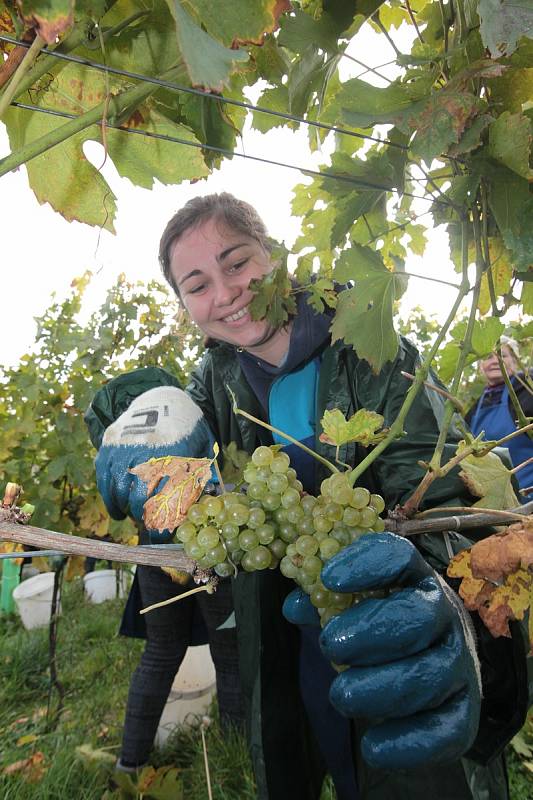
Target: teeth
pixel 238 315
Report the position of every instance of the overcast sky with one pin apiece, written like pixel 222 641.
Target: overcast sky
pixel 42 253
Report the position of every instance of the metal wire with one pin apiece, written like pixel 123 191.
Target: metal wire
pixel 199 93
pixel 224 151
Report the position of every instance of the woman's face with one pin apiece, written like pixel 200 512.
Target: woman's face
pixel 212 266
pixel 491 368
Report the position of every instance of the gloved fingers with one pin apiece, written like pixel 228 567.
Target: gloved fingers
pixel 391 628
pixel 375 561
pixel 299 610
pixel 431 737
pixel 401 688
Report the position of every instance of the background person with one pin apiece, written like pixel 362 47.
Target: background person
pixel 495 414
pixel 410 702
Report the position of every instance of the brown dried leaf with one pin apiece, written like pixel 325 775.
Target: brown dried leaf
pixel 496 581
pixel 32 768
pixel 177 575
pixel 186 480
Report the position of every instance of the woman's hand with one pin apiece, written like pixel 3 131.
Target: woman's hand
pixel 412 673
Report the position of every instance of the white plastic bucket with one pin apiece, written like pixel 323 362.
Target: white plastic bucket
pixel 101 585
pixel 33 599
pixel 191 694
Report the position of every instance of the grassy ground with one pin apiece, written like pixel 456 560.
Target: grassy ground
pixel 94 666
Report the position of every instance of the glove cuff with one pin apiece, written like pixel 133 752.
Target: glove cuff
pixel 467 625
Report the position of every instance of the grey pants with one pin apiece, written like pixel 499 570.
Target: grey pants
pixel 169 634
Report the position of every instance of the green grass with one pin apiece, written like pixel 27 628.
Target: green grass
pixel 94 666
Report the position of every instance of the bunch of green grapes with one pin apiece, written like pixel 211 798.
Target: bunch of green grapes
pixel 274 523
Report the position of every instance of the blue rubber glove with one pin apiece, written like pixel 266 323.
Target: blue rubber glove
pixel 413 671
pixel 161 422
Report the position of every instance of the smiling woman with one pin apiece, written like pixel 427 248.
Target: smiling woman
pixel 210 252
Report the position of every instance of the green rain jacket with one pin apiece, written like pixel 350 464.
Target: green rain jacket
pixel 286 762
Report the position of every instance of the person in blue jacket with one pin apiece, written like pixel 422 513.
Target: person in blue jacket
pixel 494 412
pixel 428 699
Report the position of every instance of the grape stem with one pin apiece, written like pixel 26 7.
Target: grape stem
pixel 209 587
pixel 239 411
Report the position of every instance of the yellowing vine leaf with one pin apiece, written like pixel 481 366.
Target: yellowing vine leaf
pixel 186 479
pixel 496 581
pixel 361 427
pixel 489 479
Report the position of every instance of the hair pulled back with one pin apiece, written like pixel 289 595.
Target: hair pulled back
pixel 224 207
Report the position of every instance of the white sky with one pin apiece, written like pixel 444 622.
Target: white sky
pixel 42 253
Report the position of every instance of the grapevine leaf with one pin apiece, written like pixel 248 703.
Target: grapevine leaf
pixel 276 99
pixel 471 138
pixel 273 300
pixel 364 315
pixel 208 62
pixel 501 270
pixel 186 480
pixel 361 427
pixel 301 30
pixel 322 295
pixel 75 568
pixel 503 23
pixel 362 105
pixel 235 461
pixel 177 575
pixel 93 517
pixel 489 479
pixel 496 581
pixel 243 21
pixel 442 122
pixel 163 783
pixel 95 757
pixel 50 18
pixel 510 142
pixel 32 768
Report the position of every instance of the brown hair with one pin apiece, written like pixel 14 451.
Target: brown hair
pixel 236 214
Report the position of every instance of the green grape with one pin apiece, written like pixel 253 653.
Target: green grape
pixel 218 553
pixel 308 502
pixel 248 539
pixel 280 515
pixel 220 519
pixel 333 511
pixel 263 474
pixel 213 506
pixel 186 532
pixel 206 562
pixel 351 517
pixel 256 517
pixel 280 463
pixel 232 498
pixel 277 483
pixel 320 535
pixel 287 568
pixel 312 566
pixel 197 515
pixel 265 533
pixel 322 524
pixel 291 474
pixel 325 487
pixel 271 501
pixel 261 557
pixel 278 548
pixel 229 530
pixel 287 532
pixel 224 569
pixel 274 563
pixel 294 514
pixel 194 550
pixel 329 547
pixel 291 550
pixel 368 517
pixel 320 597
pixel 208 537
pixel 290 498
pixel 257 490
pixel 341 492
pixel 360 497
pixel 262 456
pixel 232 544
pixel 341 600
pixel 328 613
pixel 250 473
pixel 379 525
pixel 238 514
pixel 343 536
pixel 306 526
pixel 247 563
pixel 306 545
pixel 236 555
pixel 377 502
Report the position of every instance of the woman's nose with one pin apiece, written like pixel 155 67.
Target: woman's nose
pixel 226 293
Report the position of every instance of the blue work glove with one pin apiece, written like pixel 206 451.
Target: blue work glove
pixel 413 671
pixel 161 422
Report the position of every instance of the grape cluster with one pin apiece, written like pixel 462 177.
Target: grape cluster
pixel 275 524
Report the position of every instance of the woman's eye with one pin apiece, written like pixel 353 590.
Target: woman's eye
pixel 238 265
pixel 196 289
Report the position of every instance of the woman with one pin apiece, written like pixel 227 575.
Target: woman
pixel 397 721
pixel 494 413
pixel 209 252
